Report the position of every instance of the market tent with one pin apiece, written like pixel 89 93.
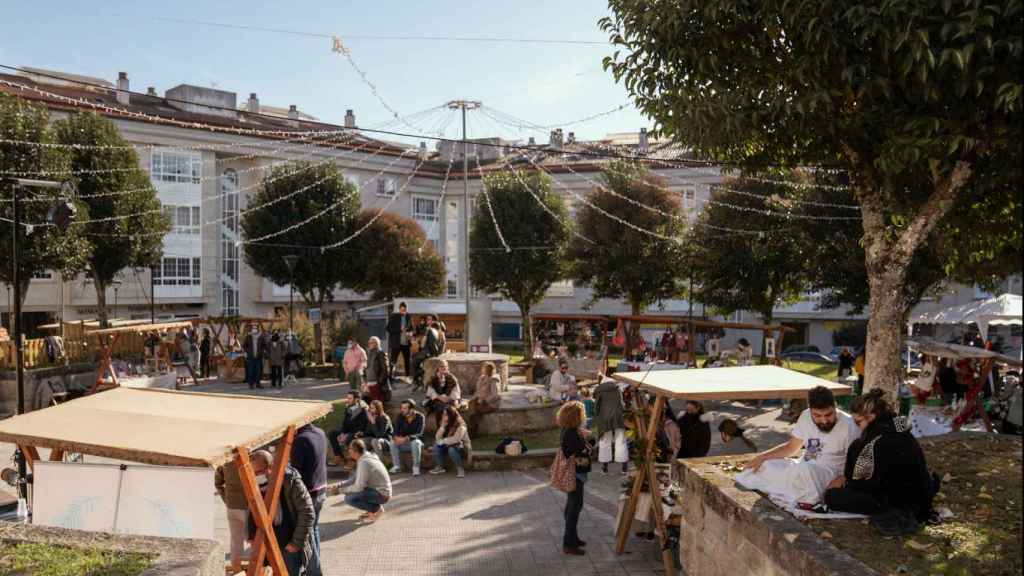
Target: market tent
pixel 1001 310
pixel 948 350
pixel 731 383
pixel 166 427
pixel 162 427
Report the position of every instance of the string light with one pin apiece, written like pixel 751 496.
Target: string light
pixel 487 202
pixel 339 47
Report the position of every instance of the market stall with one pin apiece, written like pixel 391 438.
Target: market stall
pixel 106 339
pixel 733 383
pixel 176 429
pixel 226 333
pixel 694 325
pixel 1004 310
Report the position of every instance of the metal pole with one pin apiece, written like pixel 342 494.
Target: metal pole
pixel 465 221
pixel 18 344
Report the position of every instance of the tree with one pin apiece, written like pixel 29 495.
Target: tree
pixel 394 258
pixel 908 98
pixel 28 150
pixel 750 271
pixel 640 262
pixel 301 205
pixel 540 234
pixel 115 190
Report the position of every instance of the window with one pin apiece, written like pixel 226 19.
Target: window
pixel 45 275
pixel 424 209
pixel 184 219
pixel 387 186
pixel 170 166
pixel 453 288
pixel 689 199
pixel 178 272
pixel 228 242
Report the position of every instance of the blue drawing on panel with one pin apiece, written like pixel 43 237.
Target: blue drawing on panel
pixel 169 524
pixel 74 516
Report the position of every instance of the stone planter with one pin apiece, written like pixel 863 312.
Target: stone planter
pixel 466 368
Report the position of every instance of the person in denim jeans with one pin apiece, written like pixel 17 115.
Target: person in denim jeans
pixel 407 437
pixel 372 486
pixel 574 444
pixel 452 435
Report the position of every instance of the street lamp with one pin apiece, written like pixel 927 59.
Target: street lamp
pixel 116 284
pixel 290 260
pixel 61 214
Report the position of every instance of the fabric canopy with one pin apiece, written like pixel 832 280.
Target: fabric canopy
pixel 732 383
pixel 957 351
pixel 1001 310
pixel 163 427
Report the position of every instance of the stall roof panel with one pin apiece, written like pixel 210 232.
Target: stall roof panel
pixel 732 383
pixel 163 427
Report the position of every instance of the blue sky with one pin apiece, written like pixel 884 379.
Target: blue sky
pixel 544 84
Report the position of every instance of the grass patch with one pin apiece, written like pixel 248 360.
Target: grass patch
pixel 820 369
pixel 983 491
pixel 332 420
pixel 51 560
pixel 534 440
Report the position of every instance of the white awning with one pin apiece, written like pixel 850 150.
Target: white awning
pixel 1001 310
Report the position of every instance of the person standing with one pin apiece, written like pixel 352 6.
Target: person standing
pixel 400 339
pixel 845 363
pixel 378 378
pixel 372 486
pixel 294 527
pixel 486 398
pixel 574 445
pixel 354 362
pixel 309 458
pixel 408 437
pixel 254 352
pixel 229 488
pixel 430 348
pixel 204 354
pixel 610 420
pixel 858 367
pixel 276 355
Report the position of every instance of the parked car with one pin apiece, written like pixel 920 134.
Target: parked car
pixel 801 348
pixel 807 356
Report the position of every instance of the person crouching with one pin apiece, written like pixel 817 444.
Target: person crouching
pixel 372 486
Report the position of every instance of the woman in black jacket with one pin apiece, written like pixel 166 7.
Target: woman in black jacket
pixel 571 417
pixel 885 472
pixel 695 429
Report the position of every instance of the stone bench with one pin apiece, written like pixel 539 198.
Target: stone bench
pixel 509 421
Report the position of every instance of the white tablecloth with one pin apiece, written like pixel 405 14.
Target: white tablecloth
pixel 935 420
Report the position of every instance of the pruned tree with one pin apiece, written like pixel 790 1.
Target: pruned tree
pixel 301 205
pixel 642 260
pixel 539 230
pixel 128 223
pixel 394 258
pixel 27 149
pixel 907 98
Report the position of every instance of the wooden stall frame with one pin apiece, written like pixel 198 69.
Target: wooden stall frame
pixel 107 337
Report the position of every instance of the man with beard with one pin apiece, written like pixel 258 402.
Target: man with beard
pixel 824 433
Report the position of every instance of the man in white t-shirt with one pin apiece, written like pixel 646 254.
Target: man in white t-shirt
pixel 824 433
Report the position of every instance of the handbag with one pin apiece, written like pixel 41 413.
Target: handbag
pixel 563 472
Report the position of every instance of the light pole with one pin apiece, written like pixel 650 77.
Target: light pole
pixel 290 260
pixel 61 214
pixel 465 105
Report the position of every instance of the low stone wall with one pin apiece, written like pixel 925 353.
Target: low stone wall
pixel 727 531
pixel 466 368
pixel 174 556
pixel 506 421
pixel 37 391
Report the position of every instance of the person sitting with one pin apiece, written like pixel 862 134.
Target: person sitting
pixel 408 437
pixel 824 433
pixel 562 384
pixel 442 391
pixel 452 436
pixel 352 426
pixel 378 431
pixel 728 429
pixel 885 474
pixel 372 486
pixel 695 430
pixel 486 398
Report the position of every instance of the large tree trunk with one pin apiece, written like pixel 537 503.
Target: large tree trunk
pixel 101 303
pixel 524 309
pixel 886 313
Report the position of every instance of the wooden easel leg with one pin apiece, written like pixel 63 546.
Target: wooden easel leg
pixel 31 455
pixel 265 539
pixel 272 497
pixel 626 521
pixel 659 518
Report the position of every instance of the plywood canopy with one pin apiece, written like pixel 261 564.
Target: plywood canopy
pixel 162 427
pixel 144 327
pixel 734 383
pixel 958 351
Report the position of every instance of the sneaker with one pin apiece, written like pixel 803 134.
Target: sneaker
pixel 395 470
pixel 437 470
pixel 460 473
pixel 416 471
pixel 604 469
pixel 573 550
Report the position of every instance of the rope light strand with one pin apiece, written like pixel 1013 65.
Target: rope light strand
pixel 561 221
pixel 339 47
pixel 487 202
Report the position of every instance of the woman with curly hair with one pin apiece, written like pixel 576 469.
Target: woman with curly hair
pixel 574 445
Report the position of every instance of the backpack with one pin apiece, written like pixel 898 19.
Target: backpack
pixel 511 446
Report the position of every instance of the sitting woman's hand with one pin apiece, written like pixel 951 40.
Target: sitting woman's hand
pixel 838 482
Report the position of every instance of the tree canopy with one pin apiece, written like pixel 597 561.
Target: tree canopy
pixel 118 193
pixel 641 260
pixel 393 258
pixel 535 221
pixel 908 101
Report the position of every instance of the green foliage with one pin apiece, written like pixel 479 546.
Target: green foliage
pixel 119 242
pixel 750 271
pixel 624 262
pixel 43 559
pixel 394 258
pixel 522 276
pixel 329 202
pixel 43 248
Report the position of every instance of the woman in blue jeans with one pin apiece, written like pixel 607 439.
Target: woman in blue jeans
pixel 571 417
pixel 452 435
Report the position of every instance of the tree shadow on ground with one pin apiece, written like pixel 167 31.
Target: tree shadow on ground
pixel 334 530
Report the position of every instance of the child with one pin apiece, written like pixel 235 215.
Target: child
pixel 586 396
